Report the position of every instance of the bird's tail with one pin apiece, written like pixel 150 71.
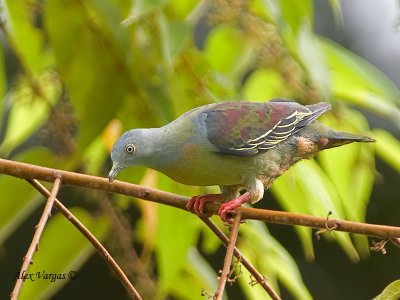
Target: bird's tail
pixel 339 138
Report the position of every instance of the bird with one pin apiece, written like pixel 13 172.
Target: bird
pixel 241 146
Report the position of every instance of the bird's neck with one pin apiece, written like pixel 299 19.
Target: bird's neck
pixel 162 148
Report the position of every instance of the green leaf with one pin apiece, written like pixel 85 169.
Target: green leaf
pixel 268 9
pixel 93 59
pixel 313 59
pixel 271 259
pixel 173 36
pixel 337 12
pixel 61 239
pixel 29 104
pixel 307 189
pixel 173 239
pixel 228 51
pixel 19 199
pixel 388 148
pixel 198 275
pixel 182 9
pixel 94 156
pixel 350 168
pixel 3 84
pixel 26 39
pixel 296 13
pixel 292 198
pixel 356 81
pixel 178 34
pixel 391 292
pixel 263 84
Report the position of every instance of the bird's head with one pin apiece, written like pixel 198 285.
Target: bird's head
pixel 129 150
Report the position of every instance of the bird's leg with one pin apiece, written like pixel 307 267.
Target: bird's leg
pixel 196 203
pixel 226 207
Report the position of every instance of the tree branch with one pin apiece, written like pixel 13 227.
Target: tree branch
pixel 34 246
pixel 23 170
pixel 257 275
pixel 91 238
pixel 226 270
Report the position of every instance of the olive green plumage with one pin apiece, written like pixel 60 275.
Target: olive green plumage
pixel 236 145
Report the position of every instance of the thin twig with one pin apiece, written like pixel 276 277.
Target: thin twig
pixel 245 262
pixel 34 246
pixel 23 170
pixel 91 238
pixel 228 257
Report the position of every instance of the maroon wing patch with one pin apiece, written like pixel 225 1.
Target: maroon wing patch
pixel 245 128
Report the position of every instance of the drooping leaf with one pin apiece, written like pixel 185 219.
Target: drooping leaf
pixel 271 259
pixel 296 13
pixel 337 12
pixel 18 198
pixel 172 240
pixel 28 105
pixel 313 59
pixel 388 148
pixel 307 187
pixel 356 81
pixel 12 212
pixel 350 168
pixel 292 198
pixel 198 276
pixel 26 36
pixel 391 292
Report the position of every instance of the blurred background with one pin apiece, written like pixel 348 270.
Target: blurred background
pixel 74 75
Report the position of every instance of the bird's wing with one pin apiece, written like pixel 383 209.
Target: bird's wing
pixel 245 128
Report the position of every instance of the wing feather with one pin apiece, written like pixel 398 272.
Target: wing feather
pixel 245 128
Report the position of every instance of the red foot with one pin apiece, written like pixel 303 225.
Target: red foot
pixel 227 207
pixel 196 203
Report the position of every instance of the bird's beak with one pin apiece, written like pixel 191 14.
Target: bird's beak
pixel 114 172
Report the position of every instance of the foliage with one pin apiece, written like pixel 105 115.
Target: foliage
pixel 391 292
pixel 74 74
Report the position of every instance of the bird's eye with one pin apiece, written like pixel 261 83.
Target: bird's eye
pixel 130 148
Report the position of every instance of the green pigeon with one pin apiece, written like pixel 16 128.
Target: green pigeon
pixel 240 146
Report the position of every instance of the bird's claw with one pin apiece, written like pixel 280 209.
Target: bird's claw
pixel 225 211
pixel 196 203
pixel 224 215
pixel 229 207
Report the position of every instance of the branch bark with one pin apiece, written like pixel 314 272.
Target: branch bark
pixel 28 171
pixel 226 270
pixel 34 246
pixel 240 257
pixel 91 238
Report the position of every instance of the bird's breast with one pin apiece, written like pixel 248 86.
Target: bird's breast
pixel 193 165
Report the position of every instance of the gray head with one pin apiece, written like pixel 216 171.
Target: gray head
pixel 130 149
